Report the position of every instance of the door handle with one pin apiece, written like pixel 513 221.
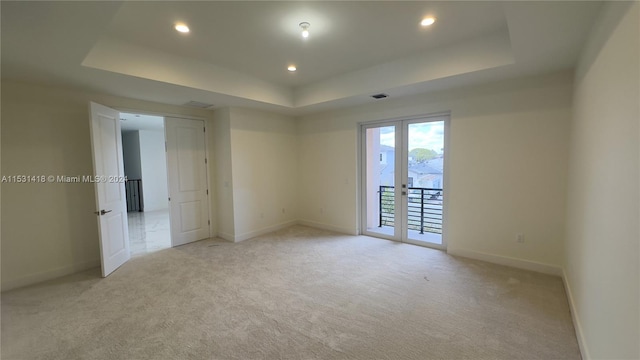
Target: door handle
pixel 102 212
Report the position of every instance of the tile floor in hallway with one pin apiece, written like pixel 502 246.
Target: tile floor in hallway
pixel 149 231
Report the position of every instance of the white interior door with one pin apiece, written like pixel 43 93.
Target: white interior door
pixel 111 201
pixel 188 190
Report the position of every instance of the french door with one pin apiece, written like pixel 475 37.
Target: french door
pixel 403 192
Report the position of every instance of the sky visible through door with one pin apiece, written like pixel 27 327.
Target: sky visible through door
pixel 425 135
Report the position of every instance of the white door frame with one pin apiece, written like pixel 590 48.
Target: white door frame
pixel 206 147
pixel 401 160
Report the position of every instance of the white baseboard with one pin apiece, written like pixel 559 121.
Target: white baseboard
pixel 577 325
pixel 48 275
pixel 508 261
pixel 268 229
pixel 322 226
pixel 225 236
pixel 265 230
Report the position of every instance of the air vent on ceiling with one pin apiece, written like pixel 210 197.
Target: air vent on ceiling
pixel 379 96
pixel 198 104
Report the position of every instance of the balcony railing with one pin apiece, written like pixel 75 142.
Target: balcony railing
pixel 133 189
pixel 424 213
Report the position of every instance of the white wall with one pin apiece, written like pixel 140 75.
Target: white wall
pixel 602 251
pixel 265 171
pixel 49 230
pixel 153 161
pixel 220 137
pixel 256 172
pixel 131 154
pixel 507 160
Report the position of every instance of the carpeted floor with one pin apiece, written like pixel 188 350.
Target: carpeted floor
pixel 298 293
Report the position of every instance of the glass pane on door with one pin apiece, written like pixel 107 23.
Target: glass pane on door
pixel 425 174
pixel 380 173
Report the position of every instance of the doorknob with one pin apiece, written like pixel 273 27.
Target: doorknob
pixel 102 212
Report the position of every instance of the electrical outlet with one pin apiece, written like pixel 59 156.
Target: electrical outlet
pixel 520 237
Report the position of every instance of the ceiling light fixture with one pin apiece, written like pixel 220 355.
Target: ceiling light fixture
pixel 305 29
pixel 428 21
pixel 181 28
pixel 292 68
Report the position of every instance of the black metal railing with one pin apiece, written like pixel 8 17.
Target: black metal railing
pixel 386 206
pixel 424 213
pixel 133 188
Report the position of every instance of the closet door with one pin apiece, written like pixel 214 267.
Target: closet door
pixel 188 187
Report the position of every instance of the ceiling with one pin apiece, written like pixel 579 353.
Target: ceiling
pixel 133 122
pixel 237 52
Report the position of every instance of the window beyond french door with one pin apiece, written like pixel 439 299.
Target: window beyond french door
pixel 403 180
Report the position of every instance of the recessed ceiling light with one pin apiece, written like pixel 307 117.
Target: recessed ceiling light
pixel 181 28
pixel 428 21
pixel 292 68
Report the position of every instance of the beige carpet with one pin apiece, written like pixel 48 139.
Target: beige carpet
pixel 299 293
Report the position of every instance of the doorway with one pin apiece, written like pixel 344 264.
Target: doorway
pixel 403 180
pixel 145 165
pixel 186 173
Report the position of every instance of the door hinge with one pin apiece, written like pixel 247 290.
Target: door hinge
pixel 169 199
pixel 205 160
pixel 207 191
pixel 209 222
pixel 165 146
pixel 204 129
